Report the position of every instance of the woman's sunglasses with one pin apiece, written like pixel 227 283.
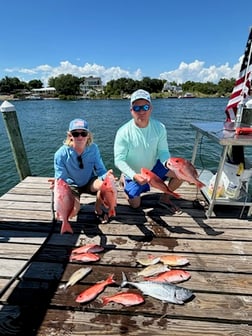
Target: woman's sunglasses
pixel 138 108
pixel 75 134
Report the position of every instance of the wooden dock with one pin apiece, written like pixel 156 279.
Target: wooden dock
pixel 34 263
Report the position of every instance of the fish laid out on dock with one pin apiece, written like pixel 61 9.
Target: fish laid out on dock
pixel 165 292
pixel 184 170
pixel 92 292
pixel 174 260
pixel 125 298
pixel 169 259
pixel 84 257
pixel 77 276
pixel 92 248
pixel 154 269
pixel 149 260
pixel 171 276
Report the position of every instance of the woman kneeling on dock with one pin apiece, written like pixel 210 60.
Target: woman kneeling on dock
pixel 78 162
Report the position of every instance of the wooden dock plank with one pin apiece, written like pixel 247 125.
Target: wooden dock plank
pixel 219 250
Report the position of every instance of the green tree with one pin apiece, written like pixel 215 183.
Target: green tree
pixel 67 85
pixel 35 84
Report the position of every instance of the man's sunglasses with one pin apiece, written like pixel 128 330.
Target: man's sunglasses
pixel 75 134
pixel 81 165
pixel 138 108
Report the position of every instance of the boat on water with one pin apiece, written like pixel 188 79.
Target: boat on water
pixel 34 97
pixel 187 95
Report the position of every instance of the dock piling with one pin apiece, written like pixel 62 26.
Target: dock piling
pixel 14 134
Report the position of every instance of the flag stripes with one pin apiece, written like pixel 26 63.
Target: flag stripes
pixel 242 84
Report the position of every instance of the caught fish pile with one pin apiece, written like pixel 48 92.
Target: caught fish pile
pixel 86 253
pixel 169 259
pixel 165 292
pixel 160 272
pixel 184 170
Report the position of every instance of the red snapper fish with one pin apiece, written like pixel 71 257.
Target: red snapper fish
pixel 108 193
pixel 84 257
pixel 156 182
pixel 125 298
pixel 184 170
pixel 93 248
pixel 91 293
pixel 64 204
pixel 172 276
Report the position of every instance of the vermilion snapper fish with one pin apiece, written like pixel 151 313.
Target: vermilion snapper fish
pixel 91 293
pixel 64 204
pixel 84 257
pixel 125 298
pixel 76 276
pixel 108 194
pixel 172 276
pixel 184 170
pixel 93 248
pixel 173 260
pixel 156 182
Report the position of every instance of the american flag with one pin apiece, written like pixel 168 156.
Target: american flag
pixel 242 84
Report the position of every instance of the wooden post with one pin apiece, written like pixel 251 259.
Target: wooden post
pixel 11 123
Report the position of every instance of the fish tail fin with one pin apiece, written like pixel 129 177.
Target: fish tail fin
pixel 200 184
pixel 111 213
pixel 175 194
pixel 66 227
pixel 105 300
pixel 124 280
pixel 110 279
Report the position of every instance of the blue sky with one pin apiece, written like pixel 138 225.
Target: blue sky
pixel 174 40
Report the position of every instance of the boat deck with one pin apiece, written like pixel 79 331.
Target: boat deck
pixel 34 264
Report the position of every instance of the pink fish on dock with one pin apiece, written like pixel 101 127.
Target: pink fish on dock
pixel 63 204
pixel 156 182
pixel 172 276
pixel 108 193
pixel 184 170
pixel 91 293
pixel 173 260
pixel 93 248
pixel 84 257
pixel 125 298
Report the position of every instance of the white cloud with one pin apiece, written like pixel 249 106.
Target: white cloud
pixel 194 71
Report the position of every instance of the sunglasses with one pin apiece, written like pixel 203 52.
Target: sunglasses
pixel 81 165
pixel 75 134
pixel 138 108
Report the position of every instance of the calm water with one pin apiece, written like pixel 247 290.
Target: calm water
pixel 44 123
